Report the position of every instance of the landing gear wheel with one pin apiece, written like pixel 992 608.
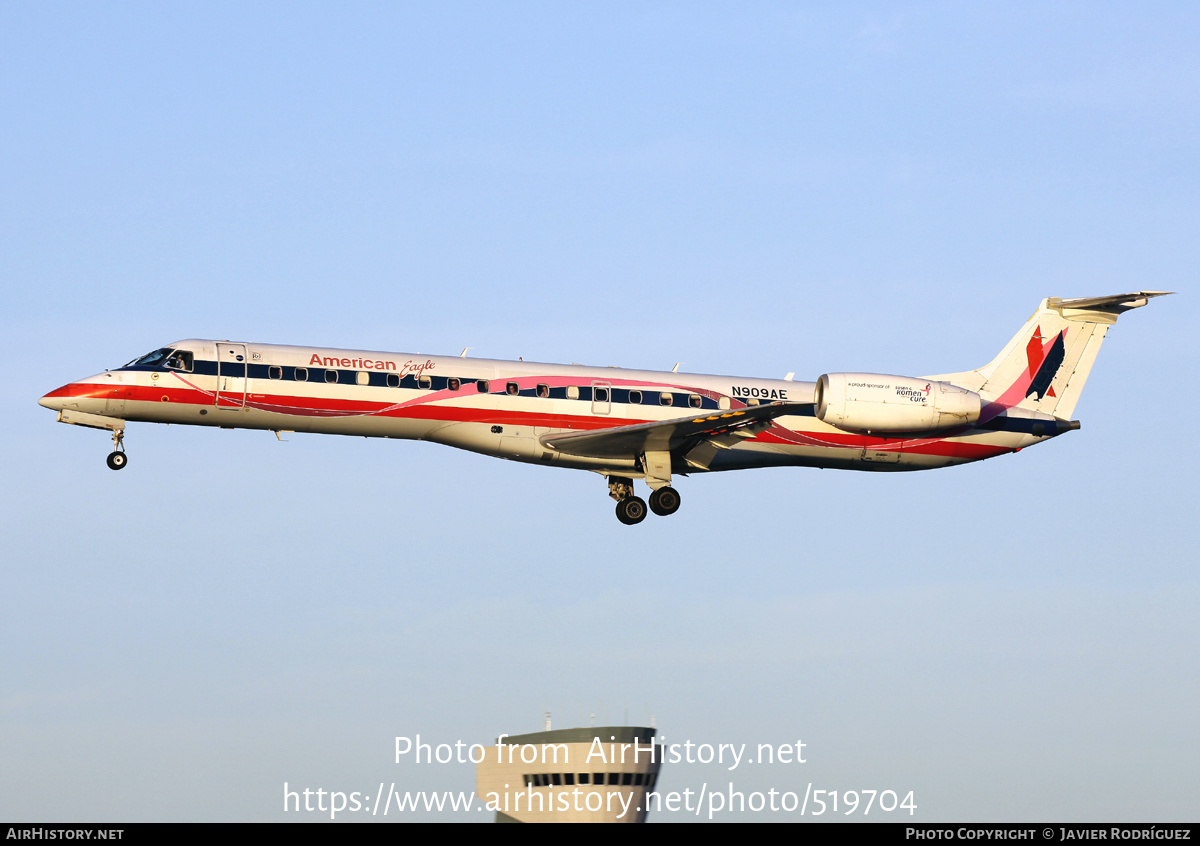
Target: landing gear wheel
pixel 664 501
pixel 631 510
pixel 117 460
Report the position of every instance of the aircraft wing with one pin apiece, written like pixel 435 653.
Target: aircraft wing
pixel 670 435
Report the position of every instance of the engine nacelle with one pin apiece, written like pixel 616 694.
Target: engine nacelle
pixel 870 402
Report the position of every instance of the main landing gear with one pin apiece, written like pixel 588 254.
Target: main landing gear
pixel 117 458
pixel 664 501
pixel 631 509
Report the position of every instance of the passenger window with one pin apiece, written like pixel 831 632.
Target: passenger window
pixel 572 392
pixel 543 391
pixel 454 384
pixel 425 382
pixel 635 397
pixel 583 778
pixel 511 389
pixel 362 377
pixel 751 402
pixel 330 375
pixel 569 779
pixel 483 386
pixel 665 399
pixel 393 380
pixel 600 394
pixel 723 403
pixel 301 374
pixel 696 401
pixel 275 372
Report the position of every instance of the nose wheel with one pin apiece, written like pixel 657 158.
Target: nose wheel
pixel 117 459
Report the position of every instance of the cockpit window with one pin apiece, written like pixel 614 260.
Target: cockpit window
pixel 180 360
pixel 166 357
pixel 152 359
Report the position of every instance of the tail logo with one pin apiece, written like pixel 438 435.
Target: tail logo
pixel 1043 366
pixel 1033 352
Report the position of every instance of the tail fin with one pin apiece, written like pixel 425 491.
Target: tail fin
pixel 1043 368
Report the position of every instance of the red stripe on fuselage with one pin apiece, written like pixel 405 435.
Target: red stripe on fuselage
pixel 304 406
pixel 86 390
pixel 850 440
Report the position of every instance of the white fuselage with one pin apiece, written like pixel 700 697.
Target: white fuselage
pixel 500 408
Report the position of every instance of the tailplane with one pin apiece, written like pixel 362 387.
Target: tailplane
pixel 1043 368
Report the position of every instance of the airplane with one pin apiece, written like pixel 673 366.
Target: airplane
pixel 622 424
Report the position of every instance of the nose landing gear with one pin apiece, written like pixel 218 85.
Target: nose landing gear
pixel 117 458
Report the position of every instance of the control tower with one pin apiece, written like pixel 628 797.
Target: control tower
pixel 571 775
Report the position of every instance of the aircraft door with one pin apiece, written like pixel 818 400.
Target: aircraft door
pixel 231 375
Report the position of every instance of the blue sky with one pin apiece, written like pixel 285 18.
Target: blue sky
pixel 751 190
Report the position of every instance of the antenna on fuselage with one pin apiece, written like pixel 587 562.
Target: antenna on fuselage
pixel 463 354
pixel 788 377
pixel 675 369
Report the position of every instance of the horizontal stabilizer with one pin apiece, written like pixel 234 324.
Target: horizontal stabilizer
pixel 669 435
pixel 1115 302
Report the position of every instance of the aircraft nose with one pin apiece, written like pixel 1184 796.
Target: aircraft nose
pixel 56 399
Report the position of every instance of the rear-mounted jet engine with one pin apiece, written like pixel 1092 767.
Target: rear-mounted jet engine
pixel 870 402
